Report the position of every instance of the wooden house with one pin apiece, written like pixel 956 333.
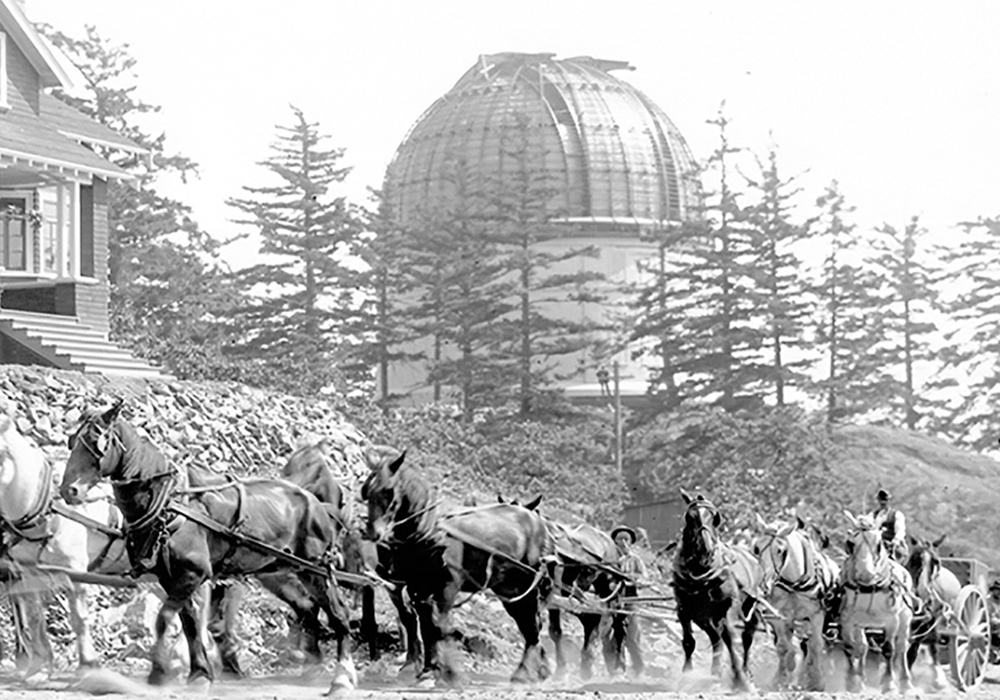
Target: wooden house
pixel 53 214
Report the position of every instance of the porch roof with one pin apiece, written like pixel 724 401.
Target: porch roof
pixel 31 140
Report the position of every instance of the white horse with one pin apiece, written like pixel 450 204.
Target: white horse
pixel 800 581
pixel 36 538
pixel 878 596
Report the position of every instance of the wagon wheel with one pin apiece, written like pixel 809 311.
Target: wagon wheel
pixel 969 641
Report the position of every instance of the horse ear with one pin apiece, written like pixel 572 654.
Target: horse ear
pixel 533 503
pixel 395 464
pixel 850 518
pixel 500 498
pixel 800 524
pixel 939 540
pixel 717 519
pixel 109 416
pixel 760 521
pixel 686 496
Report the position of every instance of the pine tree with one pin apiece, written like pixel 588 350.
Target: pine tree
pixel 779 288
pixel 533 339
pixel 908 301
pixel 970 371
pixel 847 329
pixel 386 285
pixel 303 314
pixel 724 336
pixel 167 291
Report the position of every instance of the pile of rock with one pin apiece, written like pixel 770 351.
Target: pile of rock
pixel 227 427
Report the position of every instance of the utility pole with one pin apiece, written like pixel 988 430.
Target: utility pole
pixel 618 421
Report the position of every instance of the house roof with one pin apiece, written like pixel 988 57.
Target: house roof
pixel 27 139
pixel 78 126
pixel 19 28
pixel 51 139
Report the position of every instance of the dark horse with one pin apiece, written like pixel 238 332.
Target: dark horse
pixel 587 563
pixel 223 528
pixel 938 590
pixel 502 548
pixel 710 578
pixel 311 467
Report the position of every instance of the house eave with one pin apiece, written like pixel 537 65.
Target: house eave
pixel 63 168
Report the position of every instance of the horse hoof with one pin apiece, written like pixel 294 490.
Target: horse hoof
pixel 199 684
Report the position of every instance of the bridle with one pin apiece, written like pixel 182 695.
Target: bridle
pixel 112 440
pixel 871 539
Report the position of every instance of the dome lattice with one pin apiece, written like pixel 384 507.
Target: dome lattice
pixel 607 151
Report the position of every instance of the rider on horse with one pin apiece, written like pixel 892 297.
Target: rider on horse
pixel 893 525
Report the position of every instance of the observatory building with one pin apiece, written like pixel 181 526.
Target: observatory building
pixel 618 169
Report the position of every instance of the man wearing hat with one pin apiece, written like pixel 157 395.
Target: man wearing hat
pixel 893 524
pixel 625 628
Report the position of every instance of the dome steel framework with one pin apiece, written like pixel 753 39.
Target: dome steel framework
pixel 611 156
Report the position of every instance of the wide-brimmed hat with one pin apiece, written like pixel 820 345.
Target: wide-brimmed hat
pixel 883 495
pixel 626 530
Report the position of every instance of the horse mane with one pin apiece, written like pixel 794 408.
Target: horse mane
pixel 140 449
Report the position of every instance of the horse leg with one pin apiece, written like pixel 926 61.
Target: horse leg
pixel 224 605
pixel 815 653
pixel 890 652
pixel 687 639
pixel 161 652
pixel 76 597
pixel 556 635
pixel 714 632
pixel 533 666
pixel 369 625
pixel 750 623
pixel 591 626
pixel 431 635
pixel 902 636
pixel 739 677
pixel 32 647
pixel 191 622
pixel 325 590
pixel 785 651
pixel 857 642
pixel 409 627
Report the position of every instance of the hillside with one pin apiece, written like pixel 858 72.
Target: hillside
pixel 943 490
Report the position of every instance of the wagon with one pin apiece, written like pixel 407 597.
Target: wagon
pixel 965 628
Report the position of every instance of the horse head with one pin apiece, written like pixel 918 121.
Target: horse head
pixel 868 561
pixel 700 533
pixel 782 547
pixel 94 453
pixel 394 493
pixel 924 563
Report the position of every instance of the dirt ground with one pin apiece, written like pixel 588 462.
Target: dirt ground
pixel 378 682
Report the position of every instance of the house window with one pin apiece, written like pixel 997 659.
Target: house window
pixel 14 231
pixel 4 104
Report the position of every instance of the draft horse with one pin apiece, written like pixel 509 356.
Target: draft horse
pixel 502 548
pixel 84 539
pixel 587 562
pixel 711 578
pixel 938 589
pixel 801 583
pixel 878 596
pixel 220 528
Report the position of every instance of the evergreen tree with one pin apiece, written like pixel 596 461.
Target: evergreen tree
pixel 533 339
pixel 779 286
pixel 386 284
pixel 724 333
pixel 167 286
pixel 302 315
pixel 969 356
pixel 847 326
pixel 907 304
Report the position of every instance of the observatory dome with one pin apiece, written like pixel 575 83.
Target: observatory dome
pixel 611 157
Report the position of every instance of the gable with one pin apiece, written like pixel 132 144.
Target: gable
pixel 41 58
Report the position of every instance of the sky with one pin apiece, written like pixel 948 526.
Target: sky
pixel 897 101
